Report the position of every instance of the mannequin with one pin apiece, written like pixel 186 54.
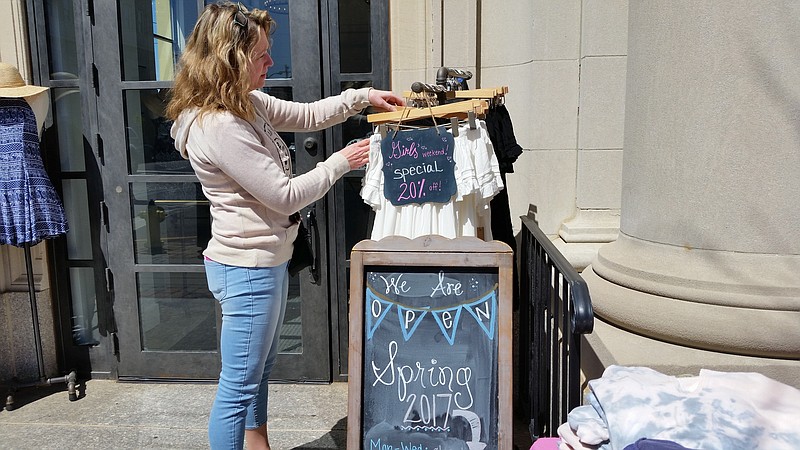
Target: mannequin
pixel 40 103
pixel 38 97
pixel 30 207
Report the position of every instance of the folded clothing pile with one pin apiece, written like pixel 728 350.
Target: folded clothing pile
pixel 631 408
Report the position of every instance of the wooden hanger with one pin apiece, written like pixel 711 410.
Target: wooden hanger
pixel 494 92
pixel 487 93
pixel 458 110
pixel 495 95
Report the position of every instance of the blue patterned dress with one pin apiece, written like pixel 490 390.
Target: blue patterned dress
pixel 30 208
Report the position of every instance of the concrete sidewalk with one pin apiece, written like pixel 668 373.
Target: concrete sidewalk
pixel 115 415
pixel 120 415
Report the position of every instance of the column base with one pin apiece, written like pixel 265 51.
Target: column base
pixel 609 345
pixel 580 254
pixel 728 302
pixel 591 225
pixel 580 237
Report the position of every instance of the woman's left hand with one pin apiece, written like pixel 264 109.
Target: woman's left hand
pixel 385 100
pixel 357 153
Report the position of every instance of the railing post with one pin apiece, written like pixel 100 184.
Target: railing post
pixel 555 309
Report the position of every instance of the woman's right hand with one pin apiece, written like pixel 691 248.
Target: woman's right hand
pixel 357 153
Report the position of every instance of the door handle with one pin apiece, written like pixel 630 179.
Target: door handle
pixel 313 231
pixel 311 145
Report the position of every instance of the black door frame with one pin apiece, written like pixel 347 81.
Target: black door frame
pixel 96 361
pixel 379 77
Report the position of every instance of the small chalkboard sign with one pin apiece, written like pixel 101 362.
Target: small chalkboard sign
pixel 430 345
pixel 418 166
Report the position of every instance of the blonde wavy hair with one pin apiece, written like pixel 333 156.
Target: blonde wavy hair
pixel 214 70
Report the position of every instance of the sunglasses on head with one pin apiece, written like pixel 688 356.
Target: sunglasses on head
pixel 240 18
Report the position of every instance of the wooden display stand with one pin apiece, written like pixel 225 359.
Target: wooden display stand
pixel 430 356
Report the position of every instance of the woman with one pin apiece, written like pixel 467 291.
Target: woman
pixel 228 130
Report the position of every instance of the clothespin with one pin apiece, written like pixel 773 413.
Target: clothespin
pixel 454 126
pixel 471 120
pixel 382 130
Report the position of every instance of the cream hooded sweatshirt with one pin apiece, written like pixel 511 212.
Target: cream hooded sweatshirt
pixel 245 170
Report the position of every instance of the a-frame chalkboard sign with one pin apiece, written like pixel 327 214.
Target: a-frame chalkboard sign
pixel 430 345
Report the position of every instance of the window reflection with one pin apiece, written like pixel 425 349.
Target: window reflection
pixel 281 50
pixel 68 128
pixel 85 329
pixel 171 223
pixel 291 339
pixel 79 238
pixel 151 149
pixel 63 49
pixel 154 41
pixel 176 312
pixel 355 37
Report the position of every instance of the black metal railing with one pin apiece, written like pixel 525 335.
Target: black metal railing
pixel 555 309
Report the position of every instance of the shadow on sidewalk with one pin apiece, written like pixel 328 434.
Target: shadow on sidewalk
pixel 336 438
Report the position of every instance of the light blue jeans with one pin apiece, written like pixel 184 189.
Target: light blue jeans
pixel 253 301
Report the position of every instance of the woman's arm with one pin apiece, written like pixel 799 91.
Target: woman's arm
pixel 235 149
pixel 299 117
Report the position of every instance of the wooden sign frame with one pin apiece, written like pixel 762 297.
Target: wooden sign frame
pixel 431 252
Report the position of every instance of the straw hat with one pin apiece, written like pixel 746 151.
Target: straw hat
pixel 12 84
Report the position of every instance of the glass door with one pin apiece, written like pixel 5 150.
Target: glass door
pixel 129 279
pixel 158 219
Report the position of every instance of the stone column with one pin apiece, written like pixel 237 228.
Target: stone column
pixel 707 264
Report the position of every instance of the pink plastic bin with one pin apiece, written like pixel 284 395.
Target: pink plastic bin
pixel 545 444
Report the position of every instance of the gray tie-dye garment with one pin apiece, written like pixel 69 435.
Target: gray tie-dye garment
pixel 715 410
